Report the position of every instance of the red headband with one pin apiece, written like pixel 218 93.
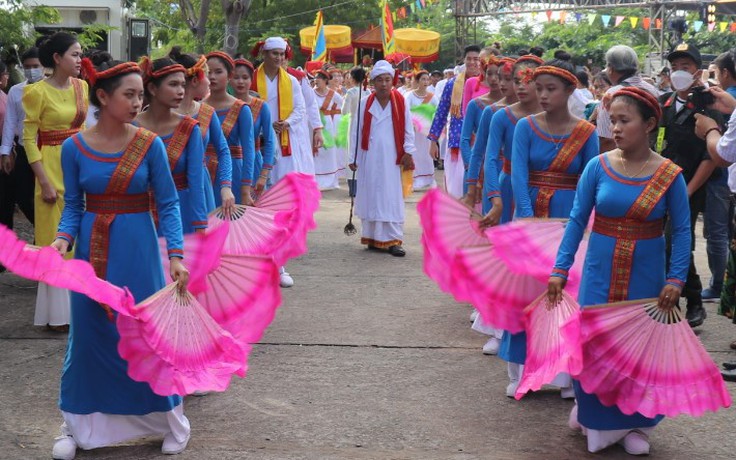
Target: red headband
pixel 489 61
pixel 530 58
pixel 419 74
pixel 149 74
pixel 322 72
pixel 245 63
pixel 641 95
pixel 557 72
pixel 92 76
pixel 197 69
pixel 507 64
pixel 224 56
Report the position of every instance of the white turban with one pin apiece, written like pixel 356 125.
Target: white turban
pixel 381 67
pixel 274 43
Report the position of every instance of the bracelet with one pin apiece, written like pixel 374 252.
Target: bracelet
pixel 712 129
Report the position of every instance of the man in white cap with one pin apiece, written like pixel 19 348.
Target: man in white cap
pixel 386 146
pixel 285 101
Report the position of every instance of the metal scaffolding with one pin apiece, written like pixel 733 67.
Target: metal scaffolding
pixel 468 12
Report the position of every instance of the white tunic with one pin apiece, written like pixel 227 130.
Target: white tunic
pixel 379 194
pixel 299 150
pixel 329 163
pixel 423 162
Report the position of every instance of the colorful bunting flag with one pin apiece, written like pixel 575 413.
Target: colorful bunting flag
pixel 549 15
pixel 646 23
pixel 733 27
pixel 387 30
pixel 606 18
pixel 591 18
pixel 634 21
pixel 578 17
pixel 697 25
pixel 722 26
pixel 619 20
pixel 657 23
pixel 563 16
pixel 711 26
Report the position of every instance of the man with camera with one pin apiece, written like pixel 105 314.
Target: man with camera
pixel 677 141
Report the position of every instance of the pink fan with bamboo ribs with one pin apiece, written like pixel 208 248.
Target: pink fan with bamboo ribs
pixel 176 347
pixel 447 226
pixel 647 360
pixel 45 264
pixel 242 296
pixel 254 231
pixel 498 293
pixel 298 194
pixel 529 246
pixel 549 353
pixel 201 254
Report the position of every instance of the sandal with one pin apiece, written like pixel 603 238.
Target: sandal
pixel 733 345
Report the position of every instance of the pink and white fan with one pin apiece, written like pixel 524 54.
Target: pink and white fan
pixel 530 246
pixel 647 360
pixel 254 231
pixel 548 352
pixel 447 226
pixel 298 194
pixel 45 264
pixel 498 293
pixel 176 347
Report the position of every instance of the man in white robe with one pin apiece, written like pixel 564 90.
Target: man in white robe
pixel 297 157
pixel 381 156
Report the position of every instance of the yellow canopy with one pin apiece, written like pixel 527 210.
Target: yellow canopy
pixel 336 37
pixel 422 45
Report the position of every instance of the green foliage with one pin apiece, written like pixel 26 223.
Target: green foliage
pixel 16 23
pixel 92 35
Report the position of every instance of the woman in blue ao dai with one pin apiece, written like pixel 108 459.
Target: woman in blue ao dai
pixel 549 152
pixel 631 189
pixel 237 124
pixel 218 185
pixel 164 82
pixel 108 172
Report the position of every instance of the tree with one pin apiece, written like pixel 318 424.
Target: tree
pixel 197 22
pixel 16 24
pixel 234 11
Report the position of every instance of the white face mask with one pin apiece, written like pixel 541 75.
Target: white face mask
pixel 681 80
pixel 33 75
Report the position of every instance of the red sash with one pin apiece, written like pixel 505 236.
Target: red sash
pixel 178 141
pixel 398 121
pixel 255 105
pixel 578 137
pixel 232 117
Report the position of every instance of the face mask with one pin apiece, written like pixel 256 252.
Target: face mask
pixel 681 80
pixel 33 75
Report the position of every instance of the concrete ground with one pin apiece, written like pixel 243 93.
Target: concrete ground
pixel 366 359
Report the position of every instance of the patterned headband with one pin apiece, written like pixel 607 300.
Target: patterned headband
pixel 642 96
pixel 556 72
pixel 149 74
pixel 224 56
pixel 419 74
pixel 530 58
pixel 492 59
pixel 323 72
pixel 92 76
pixel 197 69
pixel 245 63
pixel 507 64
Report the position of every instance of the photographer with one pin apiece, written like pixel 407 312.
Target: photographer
pixel 676 140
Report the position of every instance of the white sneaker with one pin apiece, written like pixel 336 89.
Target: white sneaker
pixel 171 446
pixel 511 389
pixel 473 315
pixel 636 443
pixel 64 448
pixel 286 281
pixel 567 393
pixel 491 347
pixel 572 421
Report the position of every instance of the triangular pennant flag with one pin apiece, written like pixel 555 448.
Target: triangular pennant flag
pixel 711 26
pixel 722 26
pixel 578 17
pixel 733 27
pixel 646 22
pixel 423 3
pixel 591 18
pixel 549 15
pixel 657 23
pixel 697 25
pixel 534 15
pixel 606 18
pixel 634 21
pixel 619 20
pixel 563 16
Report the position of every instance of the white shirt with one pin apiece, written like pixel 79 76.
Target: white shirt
pixel 14 117
pixel 604 126
pixel 577 103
